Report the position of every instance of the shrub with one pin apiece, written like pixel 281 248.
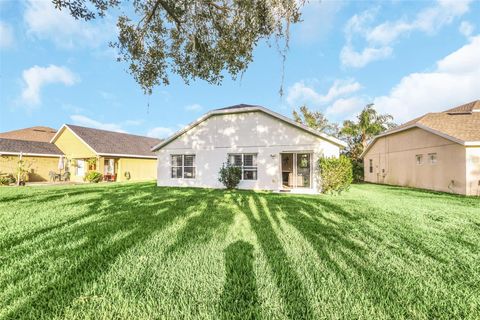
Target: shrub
pixel 93 176
pixel 336 174
pixel 6 179
pixel 230 175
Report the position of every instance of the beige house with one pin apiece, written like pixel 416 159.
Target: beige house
pixel 438 151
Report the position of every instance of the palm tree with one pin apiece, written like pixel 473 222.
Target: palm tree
pixel 358 133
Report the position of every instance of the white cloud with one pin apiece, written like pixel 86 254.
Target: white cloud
pixel 345 106
pixel 454 81
pixel 358 23
pixel 302 93
pixel 7 38
pixel 351 58
pixel 427 20
pixel 46 22
pixel 194 107
pixel 466 28
pixel 379 39
pixel 36 77
pixel 160 132
pixel 91 123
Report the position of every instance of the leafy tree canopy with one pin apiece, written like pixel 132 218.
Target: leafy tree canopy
pixel 368 124
pixel 316 120
pixel 191 38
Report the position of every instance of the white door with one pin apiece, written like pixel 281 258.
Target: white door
pixel 80 168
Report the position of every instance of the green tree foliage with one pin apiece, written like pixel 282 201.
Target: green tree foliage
pixel 368 124
pixel 191 38
pixel 359 133
pixel 336 174
pixel 230 175
pixel 316 120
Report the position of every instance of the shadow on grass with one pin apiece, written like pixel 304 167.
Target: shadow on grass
pixel 117 219
pixel 239 299
pixel 293 293
pixel 346 247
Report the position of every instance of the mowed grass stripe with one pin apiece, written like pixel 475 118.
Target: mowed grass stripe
pixel 137 251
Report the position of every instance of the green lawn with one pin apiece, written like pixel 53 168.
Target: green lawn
pixel 137 251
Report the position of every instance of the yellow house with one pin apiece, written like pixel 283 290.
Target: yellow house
pixel 118 156
pixel 32 144
pixel 437 151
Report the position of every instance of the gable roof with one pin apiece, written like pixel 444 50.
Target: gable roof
pixel 38 133
pixel 36 148
pixel 239 108
pixel 460 124
pixel 110 143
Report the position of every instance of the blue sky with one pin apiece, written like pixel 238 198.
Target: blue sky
pixel 407 57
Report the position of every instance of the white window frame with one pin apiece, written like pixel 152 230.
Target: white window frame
pixel 243 167
pixel 434 159
pixel 417 158
pixel 183 166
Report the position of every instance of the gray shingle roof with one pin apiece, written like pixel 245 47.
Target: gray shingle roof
pixel 109 142
pixel 36 147
pixel 238 106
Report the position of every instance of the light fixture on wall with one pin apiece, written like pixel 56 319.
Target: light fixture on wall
pixel 273 156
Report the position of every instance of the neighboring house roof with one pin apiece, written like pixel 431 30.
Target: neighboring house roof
pixel 110 143
pixel 460 124
pixel 248 108
pixel 35 148
pixel 42 134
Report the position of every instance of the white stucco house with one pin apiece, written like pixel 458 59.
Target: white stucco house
pixel 274 152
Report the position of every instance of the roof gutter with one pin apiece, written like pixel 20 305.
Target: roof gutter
pixel 31 154
pixel 126 155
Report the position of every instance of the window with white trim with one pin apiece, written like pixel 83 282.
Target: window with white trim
pixel 419 159
pixel 183 166
pixel 432 158
pixel 247 162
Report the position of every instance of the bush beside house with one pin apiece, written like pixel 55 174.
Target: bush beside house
pixel 93 176
pixel 335 174
pixel 230 175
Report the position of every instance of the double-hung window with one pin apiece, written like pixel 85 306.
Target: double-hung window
pixel 183 166
pixel 432 157
pixel 247 162
pixel 370 165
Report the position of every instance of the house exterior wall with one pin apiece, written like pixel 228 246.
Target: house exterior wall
pixel 473 171
pixel 39 167
pixel 394 161
pixel 251 132
pixel 140 169
pixel 73 147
